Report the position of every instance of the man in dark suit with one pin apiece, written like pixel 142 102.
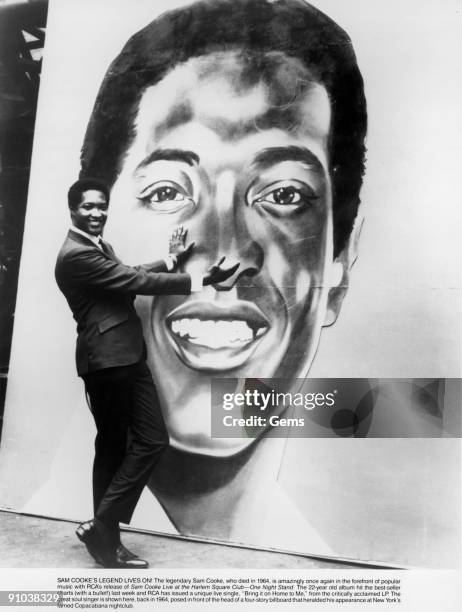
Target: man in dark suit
pixel 110 357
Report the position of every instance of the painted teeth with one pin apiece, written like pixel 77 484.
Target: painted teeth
pixel 215 334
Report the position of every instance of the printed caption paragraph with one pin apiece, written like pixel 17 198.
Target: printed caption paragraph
pixel 127 592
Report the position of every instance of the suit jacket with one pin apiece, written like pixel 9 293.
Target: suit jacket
pixel 100 291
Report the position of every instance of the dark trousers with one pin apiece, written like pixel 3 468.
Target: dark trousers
pixel 131 437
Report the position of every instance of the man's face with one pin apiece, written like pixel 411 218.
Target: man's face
pixel 241 161
pixel 91 214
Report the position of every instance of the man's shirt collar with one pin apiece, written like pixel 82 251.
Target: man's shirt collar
pixel 94 239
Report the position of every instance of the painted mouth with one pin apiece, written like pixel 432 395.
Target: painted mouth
pixel 216 336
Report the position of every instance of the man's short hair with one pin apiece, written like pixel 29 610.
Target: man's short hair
pixel 76 190
pixel 292 27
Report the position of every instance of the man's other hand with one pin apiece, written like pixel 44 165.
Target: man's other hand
pixel 217 274
pixel 177 249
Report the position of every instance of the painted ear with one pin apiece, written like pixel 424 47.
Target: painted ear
pixel 340 274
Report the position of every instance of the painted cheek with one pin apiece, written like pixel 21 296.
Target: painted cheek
pixel 294 261
pixel 302 285
pixel 278 268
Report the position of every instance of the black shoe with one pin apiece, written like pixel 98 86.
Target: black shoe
pixel 97 543
pixel 125 558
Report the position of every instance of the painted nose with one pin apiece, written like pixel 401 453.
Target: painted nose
pixel 249 254
pixel 235 241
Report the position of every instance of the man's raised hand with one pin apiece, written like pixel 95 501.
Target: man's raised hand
pixel 177 248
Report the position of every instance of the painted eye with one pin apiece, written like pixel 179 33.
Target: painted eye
pixel 166 194
pixel 283 196
pixel 165 197
pixel 292 195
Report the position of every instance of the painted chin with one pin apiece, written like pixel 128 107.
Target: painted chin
pixel 212 337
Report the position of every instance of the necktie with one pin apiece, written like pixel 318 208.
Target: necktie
pixel 104 246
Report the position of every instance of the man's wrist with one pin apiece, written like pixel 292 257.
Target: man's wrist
pixel 170 261
pixel 196 282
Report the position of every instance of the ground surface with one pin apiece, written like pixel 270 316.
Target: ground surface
pixel 27 541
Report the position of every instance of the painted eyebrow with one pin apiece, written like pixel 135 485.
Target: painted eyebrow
pixel 275 155
pixel 188 157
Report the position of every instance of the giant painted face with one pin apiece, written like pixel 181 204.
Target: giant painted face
pixel 239 156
